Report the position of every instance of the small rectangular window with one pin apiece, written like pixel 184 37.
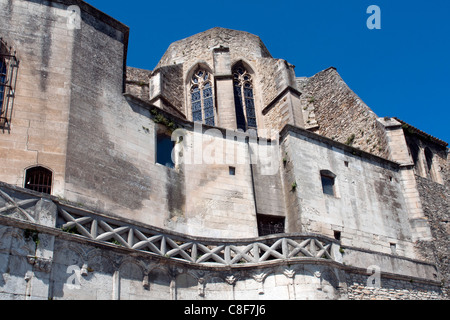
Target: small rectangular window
pixel 328 184
pixel 164 148
pixel 337 235
pixel 232 171
pixel 268 225
pixel 393 248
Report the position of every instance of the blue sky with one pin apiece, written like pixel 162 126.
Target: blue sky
pixel 402 70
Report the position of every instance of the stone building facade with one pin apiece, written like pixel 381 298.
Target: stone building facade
pixel 220 174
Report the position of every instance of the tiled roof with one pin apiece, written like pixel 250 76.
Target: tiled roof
pixel 422 133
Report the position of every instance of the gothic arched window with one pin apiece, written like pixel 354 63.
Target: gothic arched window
pixel 202 98
pixel 244 100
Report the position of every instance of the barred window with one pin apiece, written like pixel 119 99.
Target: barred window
pixel 268 225
pixel 202 98
pixel 8 74
pixel 2 82
pixel 39 179
pixel 244 100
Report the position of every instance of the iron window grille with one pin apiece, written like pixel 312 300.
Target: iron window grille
pixel 9 65
pixel 39 179
pixel 268 225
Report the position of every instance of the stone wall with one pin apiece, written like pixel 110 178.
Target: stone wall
pixel 359 288
pixel 41 262
pixel 434 197
pixel 199 47
pixel 137 83
pixel 50 250
pixel 44 47
pixel 341 115
pixel 270 76
pixel 368 207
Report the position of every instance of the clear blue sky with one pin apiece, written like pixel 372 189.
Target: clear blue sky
pixel 402 70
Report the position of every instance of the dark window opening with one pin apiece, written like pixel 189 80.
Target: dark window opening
pixel 164 148
pixel 393 248
pixel 268 225
pixel 337 235
pixel 328 182
pixel 39 179
pixel 244 99
pixel 232 171
pixel 414 151
pixel 429 158
pixel 2 82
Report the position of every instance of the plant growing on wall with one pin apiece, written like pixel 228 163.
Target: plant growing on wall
pixel 351 140
pixel 294 186
pixel 161 119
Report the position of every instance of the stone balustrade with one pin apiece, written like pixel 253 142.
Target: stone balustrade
pixel 29 206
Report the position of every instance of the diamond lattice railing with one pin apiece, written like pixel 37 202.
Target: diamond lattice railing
pixel 207 252
pixel 19 205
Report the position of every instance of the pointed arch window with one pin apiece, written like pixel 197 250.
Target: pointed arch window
pixel 202 97
pixel 244 100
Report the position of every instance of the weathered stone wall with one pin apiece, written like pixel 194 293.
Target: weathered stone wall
pixel 105 138
pixel 216 199
pixel 48 264
pixel 368 208
pixel 137 83
pixel 199 47
pixel 43 43
pixel 172 87
pixel 341 115
pixel 274 77
pixel 417 144
pixel 434 197
pixel 391 289
pixel 270 76
pixel 278 115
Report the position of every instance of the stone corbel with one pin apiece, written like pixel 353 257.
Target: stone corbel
pixel 231 280
pixel 40 264
pixel 201 287
pixel 260 278
pixel 146 282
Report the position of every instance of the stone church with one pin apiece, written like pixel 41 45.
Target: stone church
pixel 221 174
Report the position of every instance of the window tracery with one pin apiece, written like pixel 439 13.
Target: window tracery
pixel 244 99
pixel 202 97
